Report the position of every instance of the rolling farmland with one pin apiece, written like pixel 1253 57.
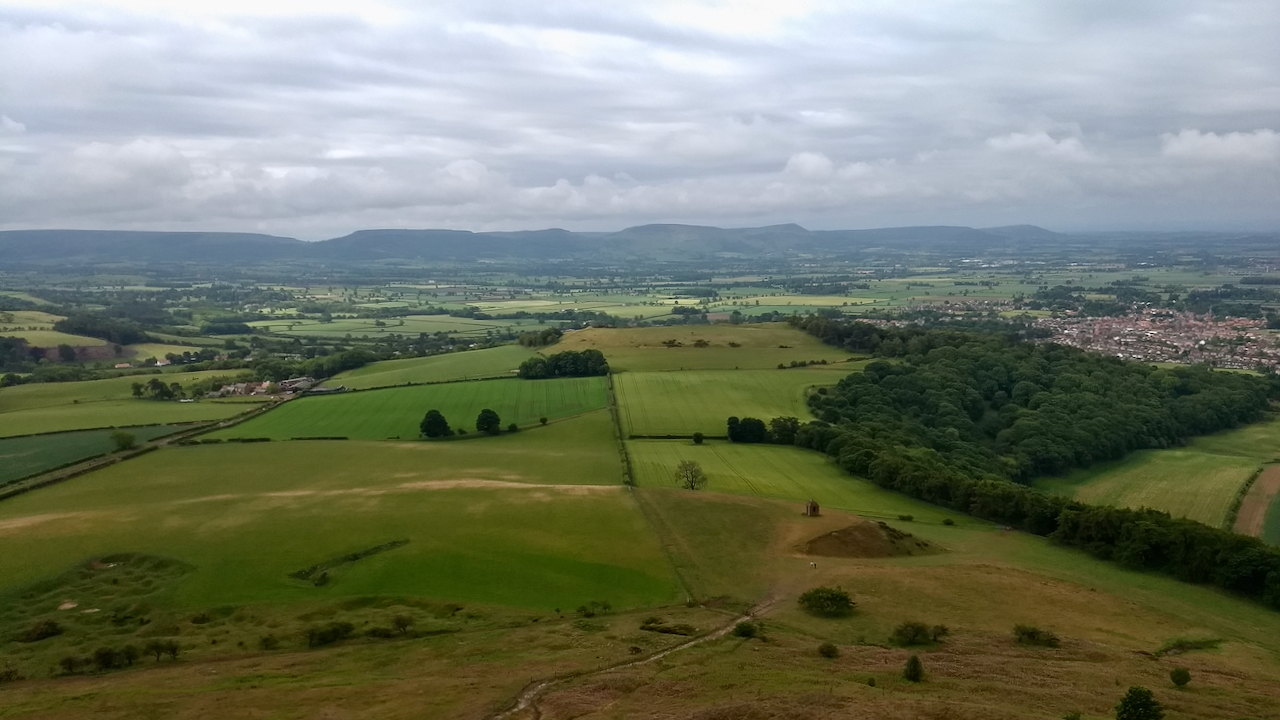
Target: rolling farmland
pixel 759 347
pixel 489 362
pixel 681 403
pixel 1200 481
pixel 25 456
pixel 396 412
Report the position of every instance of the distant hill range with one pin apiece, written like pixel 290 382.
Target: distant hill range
pixel 660 241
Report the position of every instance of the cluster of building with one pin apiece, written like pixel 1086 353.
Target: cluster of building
pixel 1164 336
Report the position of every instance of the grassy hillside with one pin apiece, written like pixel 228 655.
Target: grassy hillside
pixel 396 412
pixel 25 456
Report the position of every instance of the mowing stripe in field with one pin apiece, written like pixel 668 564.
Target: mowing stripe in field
pixel 681 403
pixel 396 412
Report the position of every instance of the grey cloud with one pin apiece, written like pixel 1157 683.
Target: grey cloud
pixel 511 115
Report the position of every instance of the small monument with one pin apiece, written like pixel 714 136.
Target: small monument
pixel 811 509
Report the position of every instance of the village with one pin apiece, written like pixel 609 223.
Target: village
pixel 1171 337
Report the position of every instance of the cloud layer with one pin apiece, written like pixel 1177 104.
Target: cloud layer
pixel 313 119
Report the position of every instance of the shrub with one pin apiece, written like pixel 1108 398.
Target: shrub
pixel 542 421
pixel 1180 676
pixel 948 521
pixel 71 664
pixel 593 608
pixel 129 654
pixel 10 674
pixel 827 602
pixel 697 438
pixel 911 633
pixel 329 634
pixel 828 650
pixel 913 671
pixel 105 658
pixel 268 642
pixel 402 623
pixel 41 630
pixel 871 682
pixel 746 630
pixel 1031 635
pixel 906 518
pixel 1139 704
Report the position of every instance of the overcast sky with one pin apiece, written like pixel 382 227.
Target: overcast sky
pixel 312 118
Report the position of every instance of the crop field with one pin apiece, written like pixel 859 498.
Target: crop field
pixel 1258 508
pixel 489 362
pixel 56 407
pixel 1200 481
pixel 494 527
pixel 396 412
pixel 681 403
pixel 758 347
pixel 772 471
pixel 408 325
pixel 25 456
pixel 53 338
pixel 142 351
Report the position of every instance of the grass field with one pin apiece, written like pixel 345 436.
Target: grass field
pixel 396 412
pixel 1200 481
pixel 490 362
pixel 681 403
pixel 773 471
pixel 53 338
pixel 413 324
pixel 25 456
pixel 483 526
pixel 55 407
pixel 142 351
pixel 760 346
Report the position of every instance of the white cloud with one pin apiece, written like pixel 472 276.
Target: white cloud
pixel 10 126
pixel 810 166
pixel 1257 146
pixel 1040 143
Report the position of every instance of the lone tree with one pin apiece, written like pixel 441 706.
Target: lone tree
pixel 488 422
pixel 1139 704
pixel 1180 676
pixel 697 438
pixel 434 425
pixel 913 670
pixel 690 476
pixel 123 440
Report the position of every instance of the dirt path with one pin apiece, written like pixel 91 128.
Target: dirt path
pixel 1261 496
pixel 528 697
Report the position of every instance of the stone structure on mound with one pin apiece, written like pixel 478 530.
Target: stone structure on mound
pixel 811 509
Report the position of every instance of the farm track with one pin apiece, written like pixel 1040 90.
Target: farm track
pixel 527 699
pixel 57 475
pixel 1252 517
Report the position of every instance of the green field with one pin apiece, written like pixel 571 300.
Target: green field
pixel 396 412
pixel 1200 481
pixel 490 362
pixel 773 471
pixel 484 525
pixel 681 403
pixel 412 325
pixel 53 338
pixel 56 407
pixel 25 456
pixel 760 346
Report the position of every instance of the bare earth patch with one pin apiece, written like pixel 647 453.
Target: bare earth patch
pixel 1253 511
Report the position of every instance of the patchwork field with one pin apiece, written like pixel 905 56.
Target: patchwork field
pixel 495 525
pixel 396 412
pixel 1200 481
pixel 489 362
pixel 1259 510
pixel 25 456
pixel 759 347
pixel 57 407
pixel 773 471
pixel 681 403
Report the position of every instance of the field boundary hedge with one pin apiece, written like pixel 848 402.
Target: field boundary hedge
pixel 1233 512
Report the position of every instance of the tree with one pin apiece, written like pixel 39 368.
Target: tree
pixel 434 425
pixel 1139 704
pixel 827 602
pixel 123 440
pixel 690 476
pixel 66 353
pixel 697 438
pixel 488 422
pixel 782 430
pixel 828 650
pixel 155 647
pixel 513 427
pixel 911 633
pixel 913 671
pixel 1180 676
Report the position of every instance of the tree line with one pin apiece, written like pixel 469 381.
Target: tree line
pixel 570 363
pixel 964 421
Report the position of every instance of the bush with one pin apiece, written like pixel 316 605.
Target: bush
pixel 697 438
pixel 1031 635
pixel 1180 676
pixel 828 650
pixel 71 664
pixel 595 607
pixel 746 630
pixel 948 521
pixel 41 630
pixel 268 642
pixel 402 623
pixel 329 634
pixel 913 671
pixel 513 427
pixel 542 421
pixel 911 633
pixel 827 602
pixel 1139 704
pixel 906 518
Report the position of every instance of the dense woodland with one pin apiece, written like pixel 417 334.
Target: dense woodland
pixel 962 420
pixel 570 363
